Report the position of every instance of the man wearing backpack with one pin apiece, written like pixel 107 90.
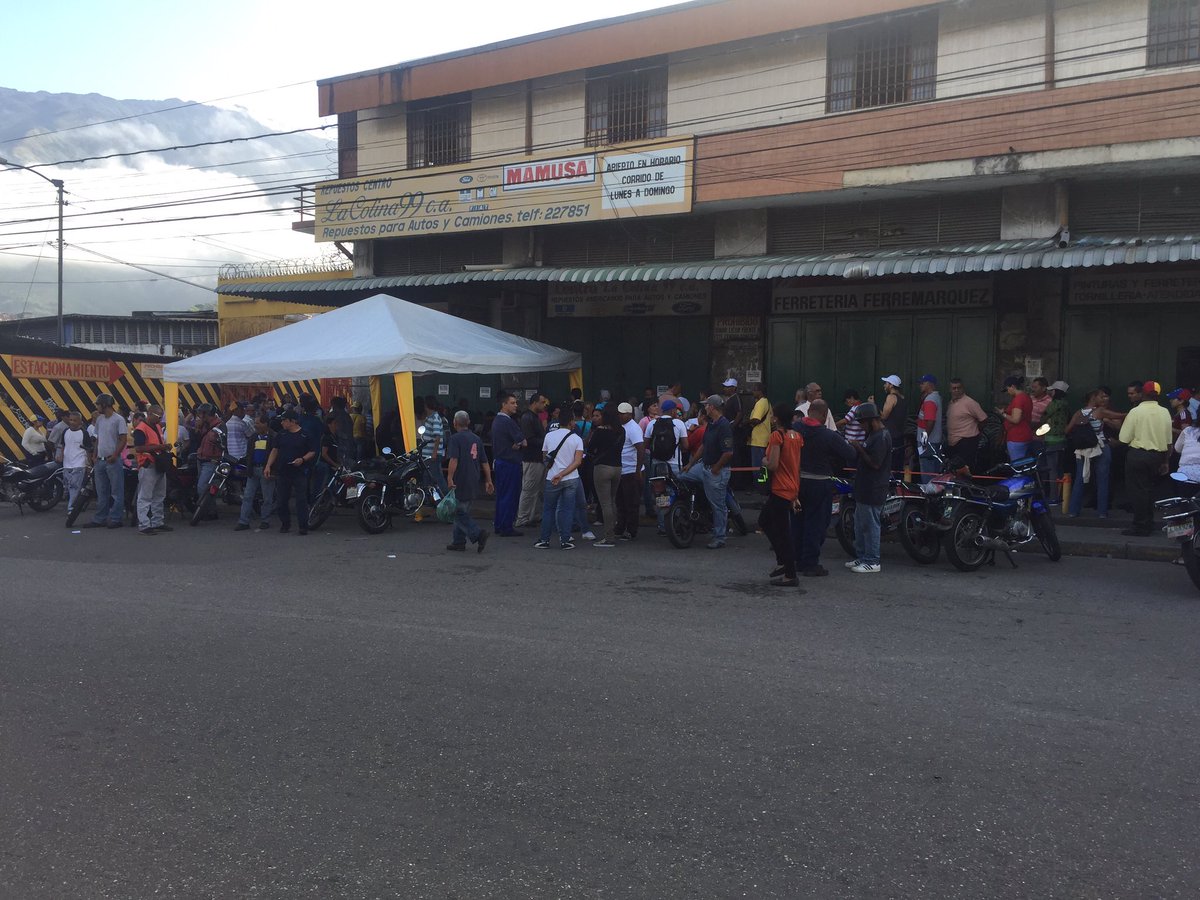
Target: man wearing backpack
pixel 666 436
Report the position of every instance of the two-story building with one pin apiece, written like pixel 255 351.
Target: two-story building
pixel 827 191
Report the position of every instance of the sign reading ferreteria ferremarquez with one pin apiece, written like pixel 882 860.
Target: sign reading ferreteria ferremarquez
pixel 634 299
pixel 1138 287
pixel 632 180
pixel 884 297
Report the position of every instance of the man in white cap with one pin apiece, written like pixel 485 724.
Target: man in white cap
pixel 894 415
pixel 737 421
pixel 629 488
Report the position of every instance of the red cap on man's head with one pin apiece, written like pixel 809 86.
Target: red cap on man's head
pixel 1151 387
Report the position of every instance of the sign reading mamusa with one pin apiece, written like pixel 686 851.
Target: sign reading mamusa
pixel 645 179
pixel 907 296
pixel 639 298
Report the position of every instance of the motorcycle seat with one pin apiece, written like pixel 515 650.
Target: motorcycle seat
pixel 41 471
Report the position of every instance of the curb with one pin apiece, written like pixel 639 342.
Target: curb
pixel 1139 552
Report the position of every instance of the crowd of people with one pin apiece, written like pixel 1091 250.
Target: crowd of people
pixel 584 468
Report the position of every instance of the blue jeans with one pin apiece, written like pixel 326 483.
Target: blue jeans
pixel 434 468
pixel 581 508
pixel 558 507
pixel 1017 450
pixel 508 494
pixel 110 491
pixel 866 533
pixel 1101 465
pixel 203 477
pixel 465 528
pixel 929 465
pixel 716 487
pixel 254 483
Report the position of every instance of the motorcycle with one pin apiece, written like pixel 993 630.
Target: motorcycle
pixel 1003 516
pixel 341 490
pixel 394 486
pixel 1181 522
pixel 220 485
pixel 901 513
pixel 688 511
pixel 39 487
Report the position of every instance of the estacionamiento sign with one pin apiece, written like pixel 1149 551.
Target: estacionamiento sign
pixel 902 297
pixel 101 370
pixel 635 299
pixel 633 180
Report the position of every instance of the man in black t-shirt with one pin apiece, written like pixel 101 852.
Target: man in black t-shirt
pixel 290 461
pixel 466 461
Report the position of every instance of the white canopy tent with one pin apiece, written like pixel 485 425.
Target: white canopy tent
pixel 380 335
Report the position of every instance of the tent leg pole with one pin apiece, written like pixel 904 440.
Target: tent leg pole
pixel 171 410
pixel 404 402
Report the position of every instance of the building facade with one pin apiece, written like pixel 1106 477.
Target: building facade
pixel 793 191
pixel 165 334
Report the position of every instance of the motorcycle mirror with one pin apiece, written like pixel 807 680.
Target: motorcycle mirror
pixel 387 451
pixel 1179 476
pixel 1043 431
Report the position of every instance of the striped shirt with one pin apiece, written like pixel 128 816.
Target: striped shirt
pixel 855 430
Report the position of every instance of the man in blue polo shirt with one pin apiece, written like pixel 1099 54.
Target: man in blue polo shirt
pixel 715 457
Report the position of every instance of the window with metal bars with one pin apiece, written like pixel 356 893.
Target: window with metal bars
pixel 1173 32
pixel 628 105
pixel 439 131
pixel 883 63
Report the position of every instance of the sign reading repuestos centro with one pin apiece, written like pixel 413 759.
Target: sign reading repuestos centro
pixel 632 180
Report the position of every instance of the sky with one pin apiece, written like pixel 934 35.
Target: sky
pixel 263 56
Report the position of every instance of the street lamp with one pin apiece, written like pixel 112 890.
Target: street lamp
pixel 58 184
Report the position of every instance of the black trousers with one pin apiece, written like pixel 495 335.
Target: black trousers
pixel 1141 471
pixel 966 452
pixel 629 498
pixel 291 483
pixel 816 509
pixel 774 519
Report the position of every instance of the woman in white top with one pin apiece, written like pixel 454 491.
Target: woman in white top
pixel 1095 413
pixel 562 480
pixel 1187 445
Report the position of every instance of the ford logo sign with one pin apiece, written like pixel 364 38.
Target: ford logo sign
pixel 466 179
pixel 686 308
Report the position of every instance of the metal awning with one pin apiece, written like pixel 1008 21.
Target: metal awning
pixel 998 256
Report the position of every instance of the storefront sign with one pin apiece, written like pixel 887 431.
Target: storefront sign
pixel 736 328
pixel 660 298
pixel 1141 287
pixel 150 370
pixel 65 369
pixel 904 297
pixel 485 393
pixel 646 179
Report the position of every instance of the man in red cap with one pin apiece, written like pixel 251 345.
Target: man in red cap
pixel 1181 409
pixel 1147 432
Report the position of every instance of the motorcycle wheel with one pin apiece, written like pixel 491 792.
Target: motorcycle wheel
pixel 81 503
pixel 48 495
pixel 1047 534
pixel 321 509
pixel 681 530
pixel 961 549
pixel 843 527
pixel 414 497
pixel 372 516
pixel 203 508
pixel 922 543
pixel 1191 559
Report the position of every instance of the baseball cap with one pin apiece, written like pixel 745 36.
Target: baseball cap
pixel 668 405
pixel 625 408
pixel 932 379
pixel 1180 394
pixel 1060 386
pixel 291 414
pixel 729 382
pixel 865 411
pixel 1151 387
pixel 893 380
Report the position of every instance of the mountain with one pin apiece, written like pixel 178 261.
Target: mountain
pixel 149 189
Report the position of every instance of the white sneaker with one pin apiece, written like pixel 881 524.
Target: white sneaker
pixel 867 568
pixel 852 564
pixel 588 536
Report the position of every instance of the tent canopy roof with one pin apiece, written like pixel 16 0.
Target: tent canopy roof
pixel 377 336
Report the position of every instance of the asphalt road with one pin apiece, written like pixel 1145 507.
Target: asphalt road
pixel 210 714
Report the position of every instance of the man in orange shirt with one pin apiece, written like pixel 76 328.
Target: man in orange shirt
pixel 783 462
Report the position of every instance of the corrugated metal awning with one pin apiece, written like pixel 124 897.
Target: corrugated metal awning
pixel 999 256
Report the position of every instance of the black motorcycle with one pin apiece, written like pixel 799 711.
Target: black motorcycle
pixel 341 490
pixel 225 483
pixel 39 487
pixel 394 486
pixel 1181 522
pixel 688 511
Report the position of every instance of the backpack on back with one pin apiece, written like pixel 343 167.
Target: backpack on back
pixel 663 441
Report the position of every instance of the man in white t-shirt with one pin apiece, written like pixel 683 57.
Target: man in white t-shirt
pixel 629 490
pixel 665 444
pixel 562 449
pixel 75 454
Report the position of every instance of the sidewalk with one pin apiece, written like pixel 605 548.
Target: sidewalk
pixel 1087 535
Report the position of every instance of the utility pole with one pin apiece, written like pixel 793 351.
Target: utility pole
pixel 58 185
